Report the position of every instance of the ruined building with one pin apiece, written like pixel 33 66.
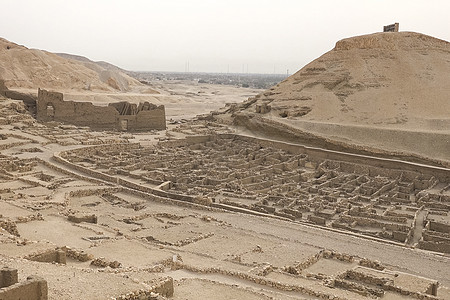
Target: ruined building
pixel 121 116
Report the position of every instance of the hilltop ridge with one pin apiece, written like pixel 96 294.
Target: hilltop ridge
pixel 393 81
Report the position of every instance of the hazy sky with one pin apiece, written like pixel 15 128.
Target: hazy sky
pixel 261 36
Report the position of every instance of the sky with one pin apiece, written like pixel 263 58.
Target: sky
pixel 249 36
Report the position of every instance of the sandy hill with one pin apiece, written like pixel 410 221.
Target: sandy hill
pixel 92 64
pixel 389 81
pixel 21 67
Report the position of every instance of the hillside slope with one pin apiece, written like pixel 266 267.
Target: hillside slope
pixel 380 79
pixel 21 67
pixel 366 91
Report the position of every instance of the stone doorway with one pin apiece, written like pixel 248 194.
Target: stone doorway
pixel 50 110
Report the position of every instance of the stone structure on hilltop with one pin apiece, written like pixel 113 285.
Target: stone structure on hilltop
pixel 391 28
pixel 121 116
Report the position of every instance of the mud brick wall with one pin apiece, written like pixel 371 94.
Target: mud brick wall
pixel 125 183
pixel 34 288
pixel 163 288
pixel 440 227
pixel 435 246
pixel 155 119
pixel 52 107
pixel 316 220
pixel 79 255
pixel 49 256
pixel 8 277
pixel 261 280
pixel 384 167
pixel 91 192
pixel 86 218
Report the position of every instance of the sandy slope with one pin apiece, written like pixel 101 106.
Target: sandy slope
pixel 383 80
pixel 21 67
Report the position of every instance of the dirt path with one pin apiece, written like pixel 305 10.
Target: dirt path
pixel 417 235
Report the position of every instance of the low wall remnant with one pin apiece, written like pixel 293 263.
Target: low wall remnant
pixel 34 288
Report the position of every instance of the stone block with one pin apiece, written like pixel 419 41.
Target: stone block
pixel 8 277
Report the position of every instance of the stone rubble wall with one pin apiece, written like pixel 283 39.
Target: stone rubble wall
pixel 92 192
pixel 370 284
pixel 372 264
pixel 163 287
pixel 78 255
pixel 103 263
pixel 50 256
pixel 123 182
pixel 10 226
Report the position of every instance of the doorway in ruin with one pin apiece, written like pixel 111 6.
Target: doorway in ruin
pixel 123 125
pixel 50 110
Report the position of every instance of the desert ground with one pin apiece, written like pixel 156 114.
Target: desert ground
pixel 239 203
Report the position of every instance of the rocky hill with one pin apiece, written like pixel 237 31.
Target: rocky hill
pixel 365 91
pixel 21 67
pixel 89 63
pixel 379 79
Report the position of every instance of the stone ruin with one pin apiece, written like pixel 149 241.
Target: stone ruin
pixel 369 197
pixel 122 116
pixel 28 100
pixel 34 288
pixel 391 28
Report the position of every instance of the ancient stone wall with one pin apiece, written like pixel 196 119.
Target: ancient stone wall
pixel 34 288
pixel 28 100
pixel 365 197
pixel 52 255
pixel 8 277
pixel 52 107
pixel 388 167
pixel 163 287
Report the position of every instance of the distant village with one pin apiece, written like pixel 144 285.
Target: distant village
pixel 246 80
